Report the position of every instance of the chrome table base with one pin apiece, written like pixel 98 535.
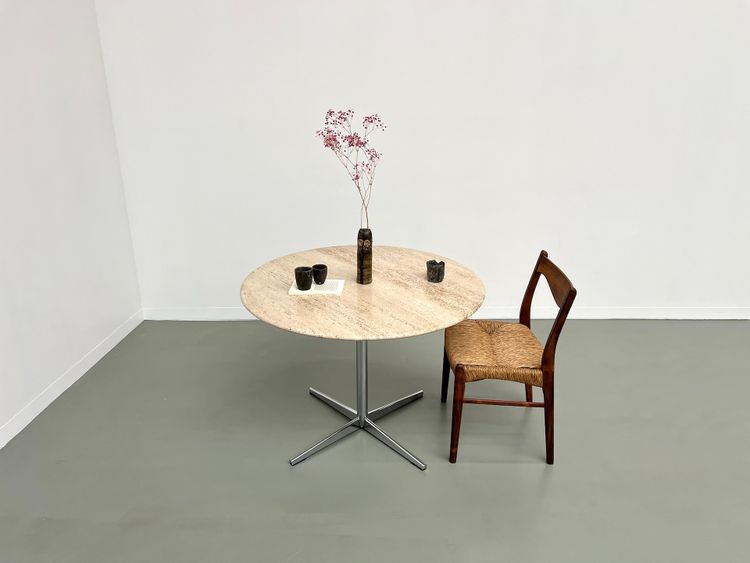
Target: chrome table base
pixel 361 418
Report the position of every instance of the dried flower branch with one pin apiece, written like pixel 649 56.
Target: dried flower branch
pixel 353 151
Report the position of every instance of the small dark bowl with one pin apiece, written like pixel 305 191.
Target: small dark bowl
pixel 320 273
pixel 303 277
pixel 435 271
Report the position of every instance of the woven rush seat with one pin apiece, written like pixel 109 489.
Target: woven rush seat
pixel 495 350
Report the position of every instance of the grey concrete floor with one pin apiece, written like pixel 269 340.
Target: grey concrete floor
pixel 174 447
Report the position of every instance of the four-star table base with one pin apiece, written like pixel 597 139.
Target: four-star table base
pixel 362 418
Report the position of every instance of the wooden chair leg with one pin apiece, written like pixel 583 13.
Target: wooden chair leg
pixel 446 374
pixel 458 405
pixel 529 393
pixel 549 422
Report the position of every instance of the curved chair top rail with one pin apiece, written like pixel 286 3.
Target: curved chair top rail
pixel 563 293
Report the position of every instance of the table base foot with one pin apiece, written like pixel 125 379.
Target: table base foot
pixel 369 426
pixel 341 408
pixel 342 432
pixel 374 430
pixel 388 408
pixel 373 414
pixel 361 418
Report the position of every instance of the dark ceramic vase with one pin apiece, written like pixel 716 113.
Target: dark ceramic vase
pixel 364 256
pixel 435 271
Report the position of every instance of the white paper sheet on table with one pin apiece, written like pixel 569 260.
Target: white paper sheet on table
pixel 330 287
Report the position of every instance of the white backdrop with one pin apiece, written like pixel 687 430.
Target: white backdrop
pixel 614 134
pixel 68 288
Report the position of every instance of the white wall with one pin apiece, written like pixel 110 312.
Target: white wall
pixel 68 290
pixel 614 134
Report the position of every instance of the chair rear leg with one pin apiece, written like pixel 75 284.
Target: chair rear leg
pixel 529 393
pixel 446 374
pixel 549 422
pixel 458 405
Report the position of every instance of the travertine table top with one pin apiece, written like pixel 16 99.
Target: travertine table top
pixel 399 302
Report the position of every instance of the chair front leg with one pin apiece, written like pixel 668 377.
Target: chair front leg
pixel 458 405
pixel 549 421
pixel 446 374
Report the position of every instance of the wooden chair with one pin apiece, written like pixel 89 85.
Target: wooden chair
pixel 476 350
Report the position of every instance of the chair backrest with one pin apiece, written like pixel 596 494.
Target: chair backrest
pixel 564 294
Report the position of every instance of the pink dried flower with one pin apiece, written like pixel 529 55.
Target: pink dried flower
pixel 330 138
pixel 346 144
pixel 373 121
pixel 372 155
pixel 354 140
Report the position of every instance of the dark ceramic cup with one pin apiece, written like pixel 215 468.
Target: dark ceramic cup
pixel 303 277
pixel 435 271
pixel 320 273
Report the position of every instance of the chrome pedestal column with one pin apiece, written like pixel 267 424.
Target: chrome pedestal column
pixel 362 418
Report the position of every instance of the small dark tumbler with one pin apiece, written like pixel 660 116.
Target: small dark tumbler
pixel 320 273
pixel 435 271
pixel 303 277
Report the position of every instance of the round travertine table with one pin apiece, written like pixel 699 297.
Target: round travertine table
pixel 399 302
